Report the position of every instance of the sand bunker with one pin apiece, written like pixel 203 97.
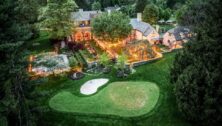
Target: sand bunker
pixel 91 87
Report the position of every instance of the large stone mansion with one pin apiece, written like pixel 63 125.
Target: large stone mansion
pixel 141 30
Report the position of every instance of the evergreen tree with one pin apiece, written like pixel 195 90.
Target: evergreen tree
pixel 14 87
pixel 42 2
pixel 140 5
pixel 197 69
pixel 106 3
pixel 128 10
pixel 56 18
pixel 96 6
pixel 29 15
pixel 175 4
pixel 82 4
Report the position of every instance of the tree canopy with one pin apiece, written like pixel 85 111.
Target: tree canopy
pixel 56 18
pixel 140 5
pixel 166 14
pixel 121 62
pixel 151 14
pixel 197 69
pixel 104 59
pixel 128 10
pixel 111 27
pixel 15 91
pixel 96 6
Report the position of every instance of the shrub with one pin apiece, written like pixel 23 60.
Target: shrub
pixel 75 47
pixel 72 61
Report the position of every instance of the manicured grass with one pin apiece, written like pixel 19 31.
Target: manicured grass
pixel 127 99
pixel 165 113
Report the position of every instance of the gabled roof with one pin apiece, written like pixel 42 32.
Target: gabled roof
pixel 143 27
pixel 84 15
pixel 178 31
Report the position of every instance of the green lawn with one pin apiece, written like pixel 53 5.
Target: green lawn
pixel 127 99
pixel 165 113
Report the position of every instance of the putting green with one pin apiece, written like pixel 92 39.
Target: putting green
pixel 126 99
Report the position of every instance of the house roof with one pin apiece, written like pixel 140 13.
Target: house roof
pixel 84 15
pixel 143 27
pixel 178 31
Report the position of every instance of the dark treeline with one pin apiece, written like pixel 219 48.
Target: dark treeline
pixel 197 69
pixel 18 18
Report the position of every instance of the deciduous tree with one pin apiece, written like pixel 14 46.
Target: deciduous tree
pixel 151 14
pixel 104 60
pixel 128 10
pixel 96 6
pixel 166 14
pixel 112 27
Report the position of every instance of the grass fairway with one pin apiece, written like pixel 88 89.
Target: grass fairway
pixel 126 99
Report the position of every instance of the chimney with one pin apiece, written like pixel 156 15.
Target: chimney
pixel 139 16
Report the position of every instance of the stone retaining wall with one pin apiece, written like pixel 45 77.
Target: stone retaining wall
pixel 139 63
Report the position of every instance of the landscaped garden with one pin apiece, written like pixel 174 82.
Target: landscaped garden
pixel 110 63
pixel 146 95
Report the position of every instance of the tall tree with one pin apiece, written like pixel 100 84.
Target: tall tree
pixel 111 27
pixel 159 3
pixel 166 14
pixel 96 6
pixel 56 18
pixel 83 4
pixel 197 69
pixel 140 5
pixel 151 14
pixel 124 2
pixel 175 4
pixel 14 87
pixel 128 10
pixel 106 3
pixel 27 6
pixel 181 11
